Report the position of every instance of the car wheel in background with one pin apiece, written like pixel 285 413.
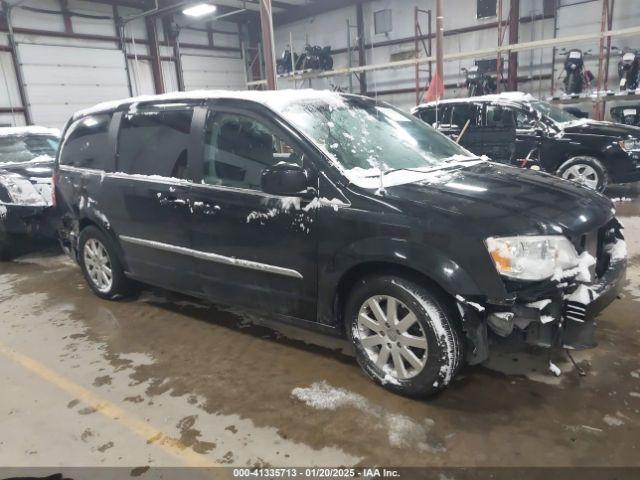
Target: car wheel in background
pixel 586 171
pixel 406 337
pixel 100 264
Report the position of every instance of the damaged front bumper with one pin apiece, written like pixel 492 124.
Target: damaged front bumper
pixel 557 313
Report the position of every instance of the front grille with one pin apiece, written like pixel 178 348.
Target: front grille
pixel 594 243
pixel 574 311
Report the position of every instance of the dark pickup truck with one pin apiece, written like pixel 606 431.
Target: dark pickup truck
pixel 517 129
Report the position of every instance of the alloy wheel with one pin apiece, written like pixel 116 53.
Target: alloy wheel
pixel 98 265
pixel 582 174
pixel 392 336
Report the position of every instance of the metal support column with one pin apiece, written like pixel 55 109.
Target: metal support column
pixel 440 40
pixel 362 56
pixel 599 107
pixel 266 22
pixel 154 51
pixel 514 24
pixel 17 65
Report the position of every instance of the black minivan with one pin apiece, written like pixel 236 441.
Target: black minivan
pixel 340 213
pixel 516 128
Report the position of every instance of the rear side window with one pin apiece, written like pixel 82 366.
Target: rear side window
pixel 500 117
pixel 463 112
pixel 428 115
pixel 86 143
pixel 155 142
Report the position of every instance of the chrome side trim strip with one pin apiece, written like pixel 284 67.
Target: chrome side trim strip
pixel 213 257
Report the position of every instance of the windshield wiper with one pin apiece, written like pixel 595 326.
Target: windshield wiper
pixel 433 169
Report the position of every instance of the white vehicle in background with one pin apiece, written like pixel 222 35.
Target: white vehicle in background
pixel 26 161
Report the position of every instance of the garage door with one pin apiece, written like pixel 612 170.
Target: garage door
pixel 210 73
pixel 63 79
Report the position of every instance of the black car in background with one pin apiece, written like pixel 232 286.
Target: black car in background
pixel 627 114
pixel 26 168
pixel 339 213
pixel 515 128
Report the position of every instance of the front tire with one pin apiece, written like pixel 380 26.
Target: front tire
pixel 101 267
pixel 406 337
pixel 585 171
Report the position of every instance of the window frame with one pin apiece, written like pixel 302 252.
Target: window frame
pixel 491 15
pixel 375 22
pixel 271 121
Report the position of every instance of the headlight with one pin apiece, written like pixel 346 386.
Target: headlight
pixel 21 191
pixel 532 258
pixel 630 144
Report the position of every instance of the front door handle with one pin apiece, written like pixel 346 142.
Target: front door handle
pixel 164 199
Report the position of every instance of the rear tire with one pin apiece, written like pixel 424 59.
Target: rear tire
pixel 101 266
pixel 586 171
pixel 411 342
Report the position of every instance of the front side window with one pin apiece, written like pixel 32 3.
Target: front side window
pixel 23 148
pixel 155 142
pixel 366 137
pixel 556 114
pixel 525 121
pixel 238 148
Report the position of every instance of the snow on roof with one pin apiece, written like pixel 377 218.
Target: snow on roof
pixel 504 96
pixel 31 129
pixel 274 99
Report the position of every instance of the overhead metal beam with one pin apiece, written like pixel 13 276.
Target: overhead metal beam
pixel 484 52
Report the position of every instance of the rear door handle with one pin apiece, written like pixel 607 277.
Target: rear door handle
pixel 205 208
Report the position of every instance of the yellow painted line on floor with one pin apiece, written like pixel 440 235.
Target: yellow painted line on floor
pixel 110 410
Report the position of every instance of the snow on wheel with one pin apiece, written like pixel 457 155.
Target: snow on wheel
pixel 406 337
pixel 100 264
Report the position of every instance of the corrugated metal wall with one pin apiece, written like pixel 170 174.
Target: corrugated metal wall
pixel 574 17
pixel 64 72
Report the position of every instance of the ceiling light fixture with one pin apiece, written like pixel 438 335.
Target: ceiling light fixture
pixel 199 10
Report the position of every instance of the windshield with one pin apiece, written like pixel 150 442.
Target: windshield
pixel 554 113
pixel 366 137
pixel 23 148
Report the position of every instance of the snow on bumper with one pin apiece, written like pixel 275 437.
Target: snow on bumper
pixel 560 313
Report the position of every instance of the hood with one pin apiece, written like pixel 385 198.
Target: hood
pixel 594 127
pixel 494 199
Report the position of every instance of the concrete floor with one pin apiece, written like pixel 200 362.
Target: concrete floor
pixel 164 380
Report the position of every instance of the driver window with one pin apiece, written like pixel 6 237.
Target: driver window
pixel 238 148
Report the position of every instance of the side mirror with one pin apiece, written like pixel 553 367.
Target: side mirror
pixel 284 179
